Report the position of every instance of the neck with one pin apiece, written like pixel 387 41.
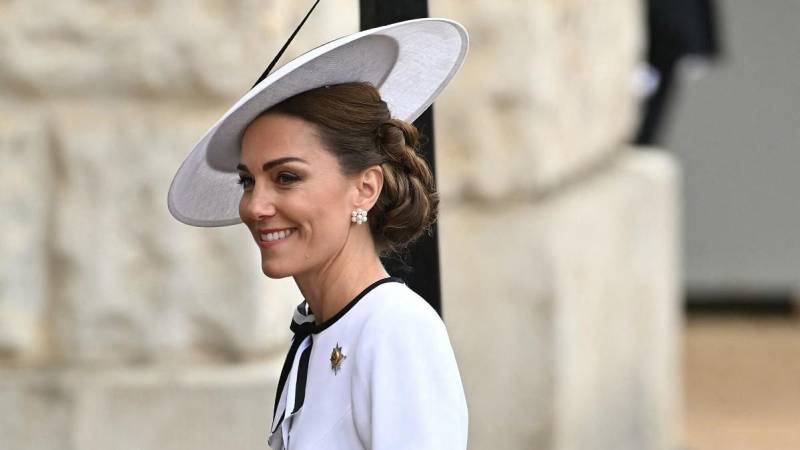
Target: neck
pixel 330 288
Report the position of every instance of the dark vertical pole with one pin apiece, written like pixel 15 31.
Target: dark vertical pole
pixel 421 270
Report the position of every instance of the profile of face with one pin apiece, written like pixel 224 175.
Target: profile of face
pixel 295 201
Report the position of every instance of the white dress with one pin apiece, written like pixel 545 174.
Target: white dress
pixel 379 375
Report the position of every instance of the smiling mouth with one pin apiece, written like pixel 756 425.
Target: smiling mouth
pixel 276 235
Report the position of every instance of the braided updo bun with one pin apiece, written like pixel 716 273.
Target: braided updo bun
pixel 355 125
pixel 409 200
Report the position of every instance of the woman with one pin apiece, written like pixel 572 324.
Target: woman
pixel 329 181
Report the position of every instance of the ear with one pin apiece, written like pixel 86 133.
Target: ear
pixel 368 187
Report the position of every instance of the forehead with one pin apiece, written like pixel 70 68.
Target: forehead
pixel 273 136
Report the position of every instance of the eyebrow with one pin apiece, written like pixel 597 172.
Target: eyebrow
pixel 275 162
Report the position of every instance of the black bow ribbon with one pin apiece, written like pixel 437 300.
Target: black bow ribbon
pixel 302 326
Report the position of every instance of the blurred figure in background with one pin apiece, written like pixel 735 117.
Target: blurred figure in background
pixel 682 38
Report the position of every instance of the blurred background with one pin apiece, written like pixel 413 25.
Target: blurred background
pixel 617 233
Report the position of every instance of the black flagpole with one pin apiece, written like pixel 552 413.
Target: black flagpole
pixel 421 268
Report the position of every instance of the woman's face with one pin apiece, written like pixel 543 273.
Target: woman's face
pixel 295 199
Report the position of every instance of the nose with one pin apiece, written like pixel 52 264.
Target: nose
pixel 257 204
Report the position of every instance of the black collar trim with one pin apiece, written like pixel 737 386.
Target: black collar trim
pixel 343 311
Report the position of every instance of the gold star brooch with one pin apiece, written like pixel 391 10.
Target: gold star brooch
pixel 336 358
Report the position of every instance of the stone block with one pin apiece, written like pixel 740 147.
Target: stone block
pixel 544 95
pixel 208 49
pixel 36 411
pixel 26 184
pixel 138 408
pixel 132 284
pixel 565 313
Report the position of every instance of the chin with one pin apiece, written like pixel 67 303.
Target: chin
pixel 276 275
pixel 274 272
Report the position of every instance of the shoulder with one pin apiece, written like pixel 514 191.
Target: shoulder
pixel 396 309
pixel 401 325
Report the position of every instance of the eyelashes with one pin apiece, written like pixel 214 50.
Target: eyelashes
pixel 282 179
pixel 245 181
pixel 286 178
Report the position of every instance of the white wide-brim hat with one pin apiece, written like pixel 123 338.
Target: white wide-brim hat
pixel 409 62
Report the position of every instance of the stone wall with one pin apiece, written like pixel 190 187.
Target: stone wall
pixel 558 242
pixel 102 101
pixel 564 315
pixel 547 88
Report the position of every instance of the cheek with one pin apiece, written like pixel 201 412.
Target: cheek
pixel 325 227
pixel 329 223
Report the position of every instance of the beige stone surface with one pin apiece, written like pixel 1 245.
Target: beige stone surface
pixel 25 212
pixel 196 50
pixel 139 408
pixel 132 283
pixel 37 412
pixel 93 266
pixel 114 95
pixel 545 94
pixel 565 314
pixel 619 313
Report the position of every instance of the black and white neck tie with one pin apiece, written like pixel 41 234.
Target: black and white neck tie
pixel 292 382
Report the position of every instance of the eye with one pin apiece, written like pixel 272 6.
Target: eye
pixel 246 181
pixel 286 178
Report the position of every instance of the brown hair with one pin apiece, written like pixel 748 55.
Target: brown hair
pixel 355 125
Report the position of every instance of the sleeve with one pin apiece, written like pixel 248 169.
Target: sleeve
pixel 407 391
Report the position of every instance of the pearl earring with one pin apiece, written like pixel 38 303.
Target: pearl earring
pixel 359 216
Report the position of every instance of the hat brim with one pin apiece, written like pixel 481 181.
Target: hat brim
pixel 408 62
